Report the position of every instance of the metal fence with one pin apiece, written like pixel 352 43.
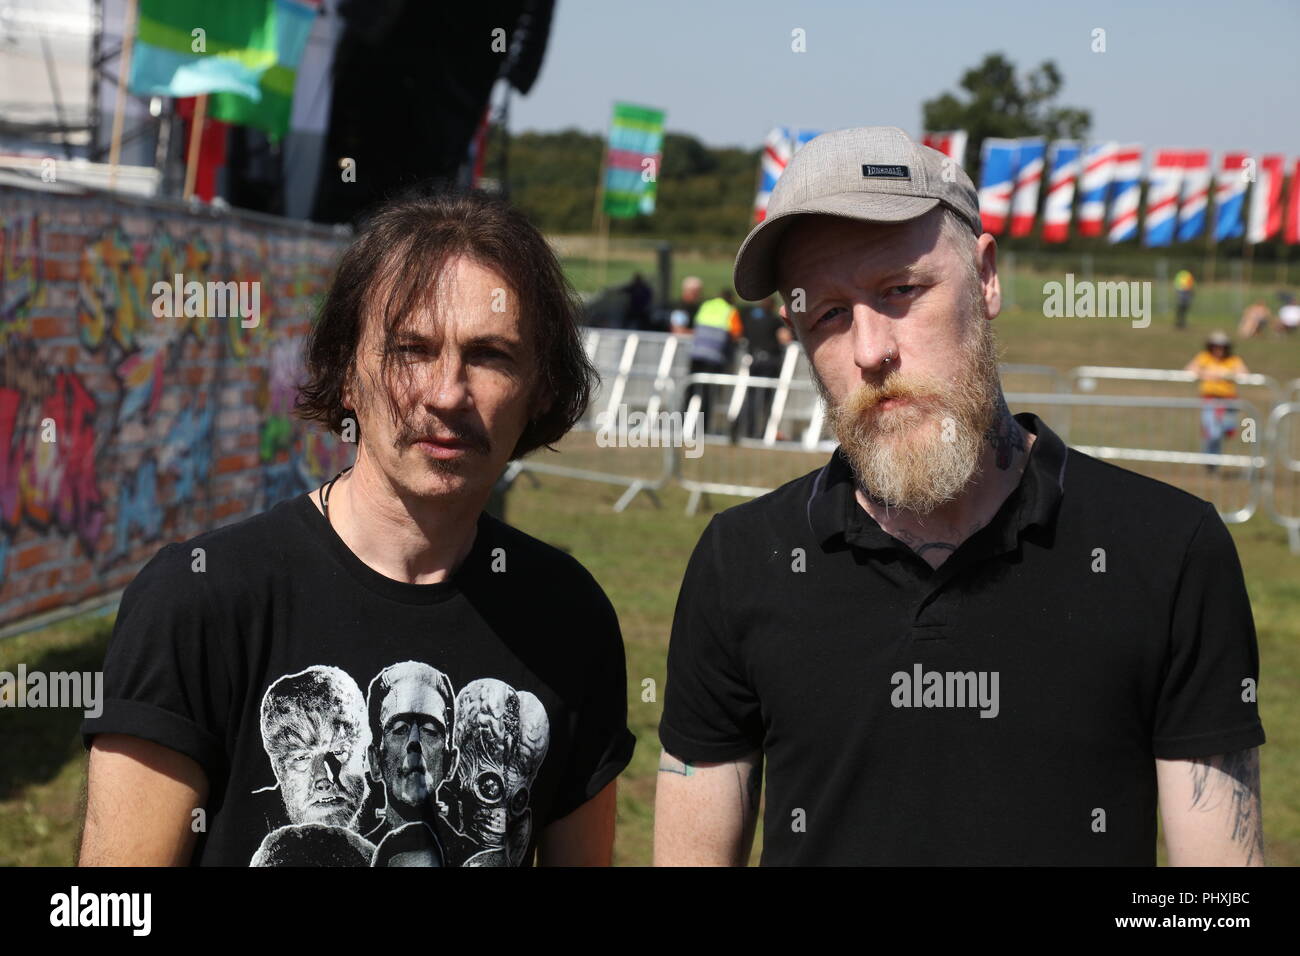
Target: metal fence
pixel 761 432
pixel 1282 495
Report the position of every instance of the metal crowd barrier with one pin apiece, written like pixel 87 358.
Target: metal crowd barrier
pixel 1282 498
pixel 739 461
pixel 1085 378
pixel 647 373
pixel 1161 441
pixel 637 370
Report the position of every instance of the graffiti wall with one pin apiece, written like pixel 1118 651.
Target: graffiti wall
pixel 148 363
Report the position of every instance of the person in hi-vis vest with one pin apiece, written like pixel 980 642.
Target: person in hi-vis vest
pixel 717 327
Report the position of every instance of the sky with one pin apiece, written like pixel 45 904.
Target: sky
pixel 1194 74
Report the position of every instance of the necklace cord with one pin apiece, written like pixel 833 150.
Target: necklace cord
pixel 325 494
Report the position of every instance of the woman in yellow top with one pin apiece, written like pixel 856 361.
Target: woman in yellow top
pixel 1217 369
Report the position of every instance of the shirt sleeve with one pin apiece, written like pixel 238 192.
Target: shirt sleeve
pixel 163 676
pixel 603 744
pixel 1206 704
pixel 710 710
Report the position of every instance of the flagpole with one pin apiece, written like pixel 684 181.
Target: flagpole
pixel 196 136
pixel 600 222
pixel 1210 250
pixel 119 106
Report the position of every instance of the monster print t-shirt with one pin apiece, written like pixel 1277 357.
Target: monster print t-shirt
pixel 344 718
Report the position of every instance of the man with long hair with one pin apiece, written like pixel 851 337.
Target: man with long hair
pixel 448 345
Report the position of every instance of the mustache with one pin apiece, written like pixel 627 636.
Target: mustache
pixel 460 431
pixel 867 395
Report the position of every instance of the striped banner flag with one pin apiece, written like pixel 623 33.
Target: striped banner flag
pixel 1195 199
pixel 1164 181
pixel 191 47
pixel 1265 200
pixel 1126 188
pixel 270 113
pixel 998 162
pixel 1060 190
pixel 1029 176
pixel 636 137
pixel 1094 186
pixel 1291 234
pixel 781 144
pixel 952 143
pixel 1230 197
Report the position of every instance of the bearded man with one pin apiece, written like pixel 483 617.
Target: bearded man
pixel 960 642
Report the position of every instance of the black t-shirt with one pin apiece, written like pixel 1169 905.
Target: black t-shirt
pixel 346 718
pixel 1005 708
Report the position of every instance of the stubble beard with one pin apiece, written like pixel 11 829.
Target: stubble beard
pixel 919 455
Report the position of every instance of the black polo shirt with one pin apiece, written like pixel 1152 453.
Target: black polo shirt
pixel 1004 708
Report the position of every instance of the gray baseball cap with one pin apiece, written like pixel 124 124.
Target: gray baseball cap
pixel 871 173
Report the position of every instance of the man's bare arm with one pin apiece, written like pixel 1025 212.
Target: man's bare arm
pixel 705 813
pixel 585 837
pixel 140 802
pixel 1211 809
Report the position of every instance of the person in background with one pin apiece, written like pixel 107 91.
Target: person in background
pixel 1288 313
pixel 1217 368
pixel 683 315
pixel 766 338
pixel 639 296
pixel 1255 320
pixel 717 327
pixel 1184 284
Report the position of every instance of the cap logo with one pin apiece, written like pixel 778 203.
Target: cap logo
pixel 885 172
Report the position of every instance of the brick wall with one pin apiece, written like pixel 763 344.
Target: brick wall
pixel 122 430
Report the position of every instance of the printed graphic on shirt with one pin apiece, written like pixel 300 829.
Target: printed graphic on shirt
pixel 411 774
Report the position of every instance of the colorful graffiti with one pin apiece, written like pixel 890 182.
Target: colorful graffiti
pixel 47 459
pixel 21 280
pixel 120 420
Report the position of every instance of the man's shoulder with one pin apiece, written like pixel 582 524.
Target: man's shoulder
pixel 1142 502
pixel 542 563
pixel 784 509
pixel 224 555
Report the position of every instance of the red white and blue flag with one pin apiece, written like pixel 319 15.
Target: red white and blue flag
pixel 1266 200
pixel 1230 196
pixel 1125 191
pixel 1060 190
pixel 1195 198
pixel 952 143
pixel 997 180
pixel 1094 186
pixel 1291 234
pixel 1029 176
pixel 780 145
pixel 1163 185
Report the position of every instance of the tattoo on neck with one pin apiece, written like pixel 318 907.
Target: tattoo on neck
pixel 1005 436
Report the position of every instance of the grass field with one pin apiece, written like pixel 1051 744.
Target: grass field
pixel 639 556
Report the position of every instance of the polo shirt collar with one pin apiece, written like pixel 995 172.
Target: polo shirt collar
pixel 834 512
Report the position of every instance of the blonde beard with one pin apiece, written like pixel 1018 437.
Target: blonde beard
pixel 919 455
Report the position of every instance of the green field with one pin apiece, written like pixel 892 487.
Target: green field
pixel 639 556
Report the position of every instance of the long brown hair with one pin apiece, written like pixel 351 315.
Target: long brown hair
pixel 393 269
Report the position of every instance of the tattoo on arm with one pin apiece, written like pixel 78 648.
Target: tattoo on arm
pixel 750 782
pixel 670 764
pixel 1234 777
